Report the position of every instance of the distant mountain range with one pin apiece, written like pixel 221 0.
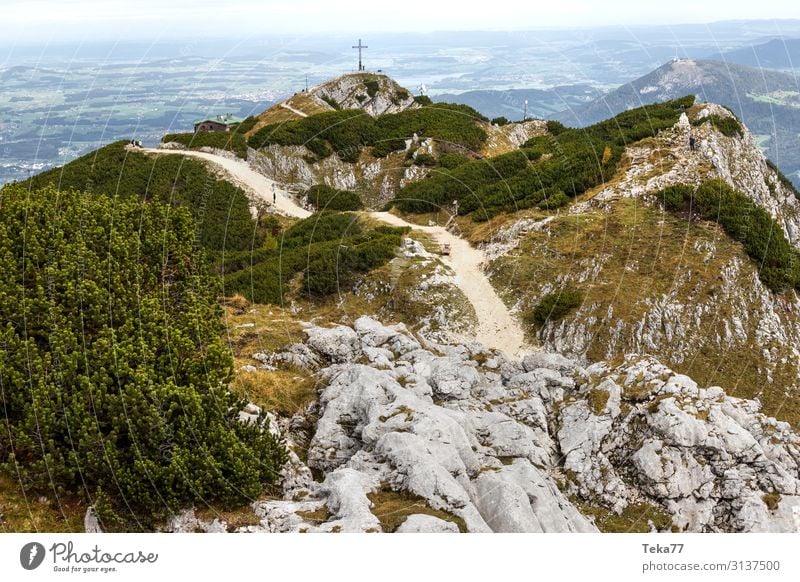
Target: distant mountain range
pixel 767 101
pixel 510 103
pixel 778 53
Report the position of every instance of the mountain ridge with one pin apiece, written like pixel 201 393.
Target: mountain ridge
pixel 767 101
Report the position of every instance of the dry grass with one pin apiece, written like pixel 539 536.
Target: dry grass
pixel 301 101
pixel 234 519
pixel 634 519
pixel 772 500
pixel 238 303
pixel 35 514
pixel 283 392
pixel 260 328
pixel 392 509
pixel 318 516
pixel 598 399
pixel 640 254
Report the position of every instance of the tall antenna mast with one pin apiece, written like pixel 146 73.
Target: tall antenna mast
pixel 525 114
pixel 360 46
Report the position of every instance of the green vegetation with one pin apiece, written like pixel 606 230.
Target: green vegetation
pixel 372 87
pixel 331 101
pixel 113 369
pixel 220 210
pixel 349 131
pixel 451 160
pixel 425 159
pixel 674 197
pixel 546 173
pixel 727 126
pixel 556 127
pixel 232 142
pixel 787 183
pixel 282 392
pixel 20 513
pixel 327 250
pixel 555 306
pixel 246 125
pixel 324 197
pixel 746 222
pixel 423 100
pixel 500 121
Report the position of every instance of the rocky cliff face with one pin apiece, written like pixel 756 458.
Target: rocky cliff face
pixel 413 436
pixel 377 180
pixel 654 283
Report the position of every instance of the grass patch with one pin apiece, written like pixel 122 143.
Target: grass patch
pixel 392 509
pixel 234 518
pixel 317 516
pixel 632 255
pixel 284 392
pixel 634 519
pixel 35 514
pixel 597 399
pixel 772 500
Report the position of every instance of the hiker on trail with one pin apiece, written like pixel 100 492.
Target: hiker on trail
pixel 691 142
pixel 274 195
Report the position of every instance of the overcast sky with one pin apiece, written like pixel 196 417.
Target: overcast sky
pixel 49 20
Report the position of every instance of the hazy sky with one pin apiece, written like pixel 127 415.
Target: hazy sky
pixel 48 20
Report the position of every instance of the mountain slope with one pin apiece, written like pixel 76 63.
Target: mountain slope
pixel 651 281
pixel 778 53
pixel 767 101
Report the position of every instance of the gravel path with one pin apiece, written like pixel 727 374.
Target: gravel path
pixel 497 327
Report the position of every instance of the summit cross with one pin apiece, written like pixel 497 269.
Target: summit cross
pixel 360 46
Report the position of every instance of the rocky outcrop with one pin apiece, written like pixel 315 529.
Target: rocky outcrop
pixel 374 93
pixel 538 445
pixel 505 138
pixel 376 179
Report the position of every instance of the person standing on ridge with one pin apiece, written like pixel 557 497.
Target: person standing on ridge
pixel 274 195
pixel 691 142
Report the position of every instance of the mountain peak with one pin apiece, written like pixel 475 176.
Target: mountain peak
pixel 374 93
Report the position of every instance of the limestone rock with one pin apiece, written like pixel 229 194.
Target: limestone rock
pixel 421 523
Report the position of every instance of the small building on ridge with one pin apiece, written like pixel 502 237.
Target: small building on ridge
pixel 220 123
